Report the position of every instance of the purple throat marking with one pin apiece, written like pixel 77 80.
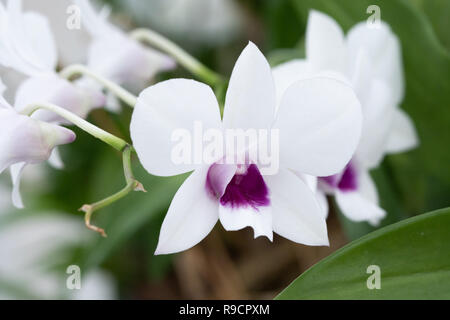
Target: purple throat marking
pixel 347 181
pixel 246 189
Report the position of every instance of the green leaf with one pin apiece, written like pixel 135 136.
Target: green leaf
pixel 438 12
pixel 413 256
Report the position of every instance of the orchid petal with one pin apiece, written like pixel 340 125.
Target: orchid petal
pixel 384 51
pixel 41 40
pixel 251 98
pixel 259 219
pixel 16 173
pixel 358 208
pixel 126 61
pixel 191 216
pixel 378 116
pixel 161 110
pixel 367 187
pixel 56 90
pixel 362 204
pixel 287 73
pixel 96 23
pixel 295 212
pixel 403 136
pixel 27 140
pixel 27 44
pixel 320 125
pixel 325 44
pixel 55 159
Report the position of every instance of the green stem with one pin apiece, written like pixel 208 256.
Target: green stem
pixel 78 69
pixel 86 126
pixel 115 142
pixel 132 185
pixel 181 56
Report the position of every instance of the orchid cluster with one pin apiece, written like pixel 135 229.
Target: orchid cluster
pixel 336 111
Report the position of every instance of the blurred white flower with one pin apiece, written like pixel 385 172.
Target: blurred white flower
pixel 24 140
pixel 116 56
pixel 27 46
pixel 369 59
pixel 319 126
pixel 32 263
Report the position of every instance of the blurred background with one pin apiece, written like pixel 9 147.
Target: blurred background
pixel 37 244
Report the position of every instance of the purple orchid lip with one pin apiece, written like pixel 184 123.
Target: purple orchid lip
pixel 245 189
pixel 346 181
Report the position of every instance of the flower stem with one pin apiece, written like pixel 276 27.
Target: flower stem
pixel 115 142
pixel 132 185
pixel 181 56
pixel 86 126
pixel 121 93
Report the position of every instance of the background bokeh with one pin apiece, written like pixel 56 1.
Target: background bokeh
pixel 38 243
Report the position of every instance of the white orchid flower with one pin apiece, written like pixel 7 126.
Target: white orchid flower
pixel 27 46
pixel 24 140
pixel 115 55
pixel 369 57
pixel 319 127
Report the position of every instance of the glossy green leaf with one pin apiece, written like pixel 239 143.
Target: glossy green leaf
pixel 413 257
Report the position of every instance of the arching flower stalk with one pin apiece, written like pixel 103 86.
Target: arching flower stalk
pixel 120 145
pixel 180 55
pixel 118 91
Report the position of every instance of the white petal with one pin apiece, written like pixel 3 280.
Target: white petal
pixel 323 202
pixel 3 103
pixel 325 45
pixel 16 173
pixel 361 75
pixel 358 208
pixel 95 22
pixel 378 114
pixel 251 99
pixel 287 73
pixel 295 212
pixel 126 61
pixel 219 176
pixel 55 159
pixel 56 90
pixel 312 183
pixel 367 187
pixel 260 219
pixel 320 125
pixel 403 136
pixel 191 216
pixel 176 104
pixel 27 140
pixel 27 42
pixel 384 51
pixel 42 40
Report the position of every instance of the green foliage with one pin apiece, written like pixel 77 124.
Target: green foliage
pixel 411 255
